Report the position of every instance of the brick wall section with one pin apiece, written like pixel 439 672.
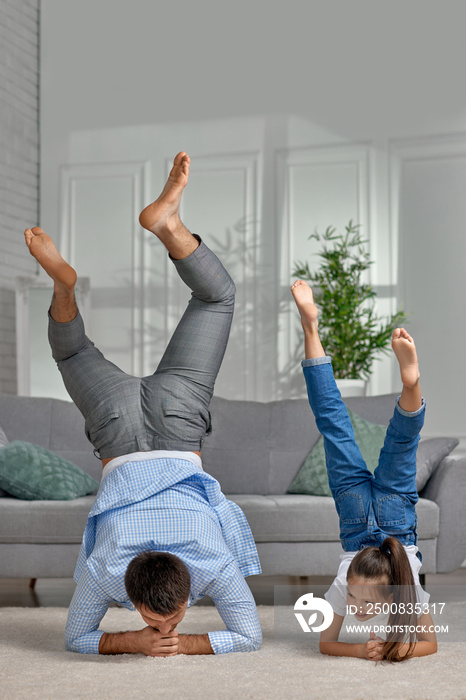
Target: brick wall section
pixel 19 162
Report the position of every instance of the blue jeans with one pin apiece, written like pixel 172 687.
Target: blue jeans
pixel 371 507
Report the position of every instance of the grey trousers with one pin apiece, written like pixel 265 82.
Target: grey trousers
pixel 168 410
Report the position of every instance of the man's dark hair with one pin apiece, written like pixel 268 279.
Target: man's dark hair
pixel 158 580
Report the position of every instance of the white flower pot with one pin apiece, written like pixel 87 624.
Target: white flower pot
pixel 352 387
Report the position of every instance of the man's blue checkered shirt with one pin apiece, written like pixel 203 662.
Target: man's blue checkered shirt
pixel 171 505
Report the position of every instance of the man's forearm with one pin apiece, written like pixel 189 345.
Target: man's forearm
pixel 151 643
pixel 194 644
pixel 120 643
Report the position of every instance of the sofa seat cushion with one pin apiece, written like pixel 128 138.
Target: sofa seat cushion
pixel 44 522
pixel 301 518
pixel 281 518
pixel 289 518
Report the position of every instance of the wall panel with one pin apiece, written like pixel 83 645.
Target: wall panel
pixel 102 239
pixel 429 207
pixel 316 188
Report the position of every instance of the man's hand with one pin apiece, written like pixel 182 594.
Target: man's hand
pixel 373 648
pixel 154 643
pixel 147 641
pixel 151 642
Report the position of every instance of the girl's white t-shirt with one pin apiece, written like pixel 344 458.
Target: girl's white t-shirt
pixel 336 594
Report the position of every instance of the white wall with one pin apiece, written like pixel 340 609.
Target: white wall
pixel 19 162
pixel 312 99
pixel 431 175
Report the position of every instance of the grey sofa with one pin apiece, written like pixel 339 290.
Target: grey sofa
pixel 255 451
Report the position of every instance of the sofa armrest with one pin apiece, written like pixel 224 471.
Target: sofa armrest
pixel 447 487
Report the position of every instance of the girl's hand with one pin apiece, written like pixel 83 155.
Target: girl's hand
pixel 373 648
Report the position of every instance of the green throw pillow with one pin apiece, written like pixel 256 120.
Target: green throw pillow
pixel 32 473
pixel 312 478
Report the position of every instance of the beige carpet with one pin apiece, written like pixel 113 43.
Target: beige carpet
pixel 34 664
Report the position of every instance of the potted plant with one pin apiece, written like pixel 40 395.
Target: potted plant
pixel 351 332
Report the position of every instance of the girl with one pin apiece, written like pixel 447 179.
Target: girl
pixel 379 570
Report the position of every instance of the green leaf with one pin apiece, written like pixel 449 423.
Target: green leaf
pixel 352 333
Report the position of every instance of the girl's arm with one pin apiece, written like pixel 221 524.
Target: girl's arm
pixel 426 640
pixel 373 648
pixel 330 645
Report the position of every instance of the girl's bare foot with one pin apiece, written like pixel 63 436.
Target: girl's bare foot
pixel 163 214
pixel 405 351
pixel 43 249
pixel 304 299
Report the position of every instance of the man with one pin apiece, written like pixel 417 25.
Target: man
pixel 161 534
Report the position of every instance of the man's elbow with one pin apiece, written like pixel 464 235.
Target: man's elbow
pixel 72 642
pixel 250 642
pixel 255 642
pixel 69 642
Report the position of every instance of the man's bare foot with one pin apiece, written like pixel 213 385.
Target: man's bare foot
pixel 304 299
pixel 405 351
pixel 43 249
pixel 163 214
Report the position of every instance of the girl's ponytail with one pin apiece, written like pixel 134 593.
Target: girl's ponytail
pixel 401 573
pixel 402 620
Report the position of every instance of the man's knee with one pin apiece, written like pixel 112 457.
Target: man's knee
pixel 67 339
pixel 228 294
pixel 222 294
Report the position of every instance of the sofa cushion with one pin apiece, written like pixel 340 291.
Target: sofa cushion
pixel 236 453
pixel 429 455
pixel 44 522
pixel 55 424
pixel 292 434
pixel 312 477
pixel 278 518
pixel 290 518
pixel 257 447
pixel 3 438
pixel 3 442
pixel 301 518
pixel 31 472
